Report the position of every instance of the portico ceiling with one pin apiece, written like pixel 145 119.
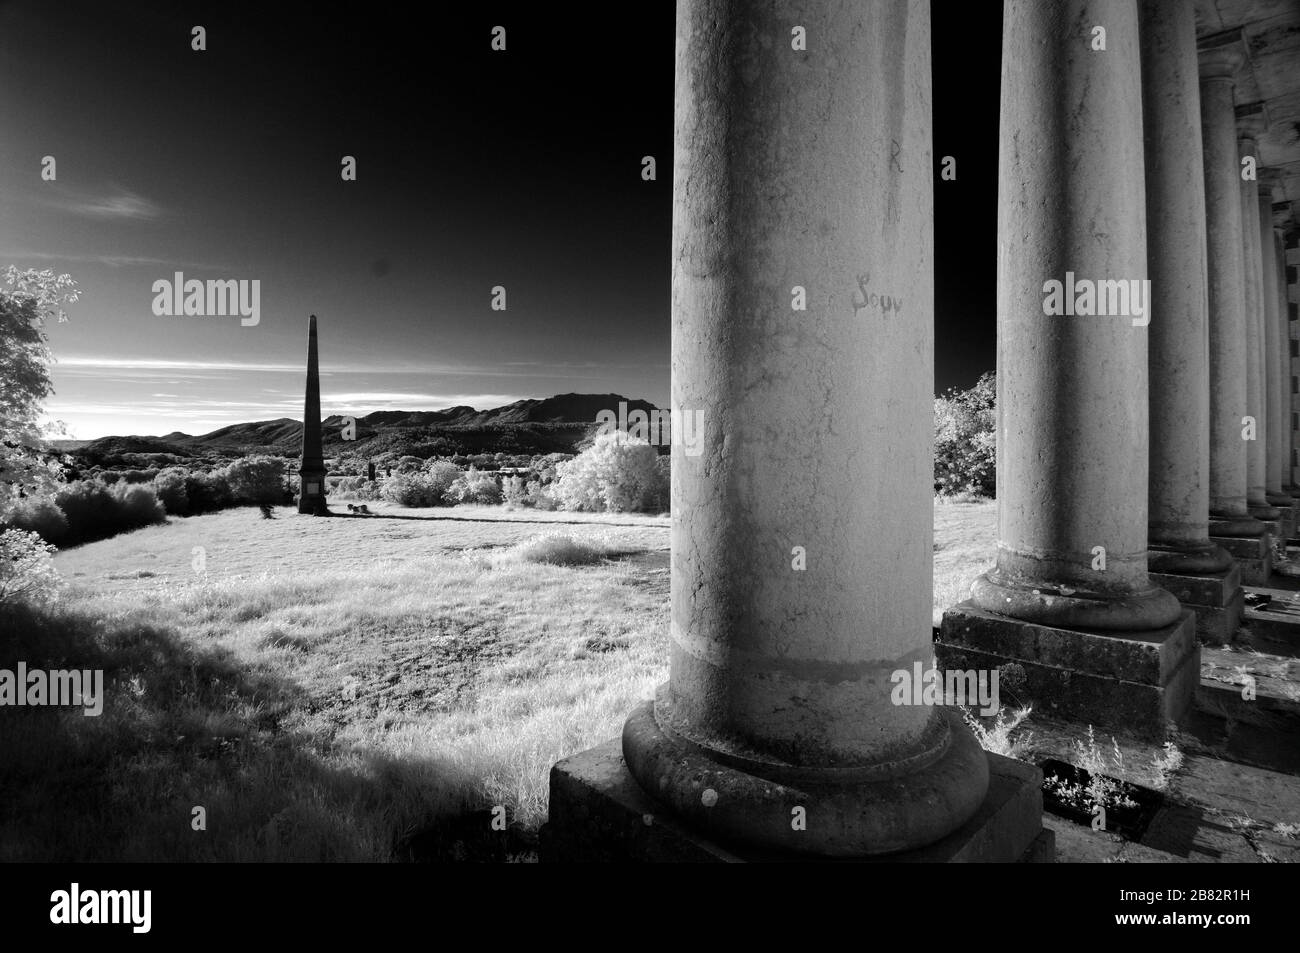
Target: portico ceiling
pixel 1270 31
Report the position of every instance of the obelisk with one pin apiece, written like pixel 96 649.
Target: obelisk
pixel 311 498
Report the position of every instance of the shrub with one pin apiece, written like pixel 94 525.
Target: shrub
pixel 26 572
pixel 170 487
pixel 514 491
pixel 540 496
pixel 137 505
pixel 441 474
pixel 40 515
pixel 255 480
pixel 410 489
pixel 965 440
pixel 474 487
pixel 356 488
pixel 617 474
pixel 89 508
pixel 560 550
pixel 208 491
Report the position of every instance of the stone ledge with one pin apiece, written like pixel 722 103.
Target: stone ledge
pixel 600 814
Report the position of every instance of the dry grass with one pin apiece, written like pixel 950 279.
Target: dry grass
pixel 336 689
pixel 321 714
pixel 965 545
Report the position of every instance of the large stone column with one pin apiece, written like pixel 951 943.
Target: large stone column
pixel 1072 388
pixel 1182 559
pixel 1278 418
pixel 1256 391
pixel 811 172
pixel 1231 524
pixel 802 533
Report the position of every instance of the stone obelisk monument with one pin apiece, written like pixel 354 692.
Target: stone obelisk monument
pixel 311 499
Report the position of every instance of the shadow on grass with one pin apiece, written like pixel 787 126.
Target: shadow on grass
pixel 479 519
pixel 186 726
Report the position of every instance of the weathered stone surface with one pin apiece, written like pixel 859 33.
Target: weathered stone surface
pixel 1217 601
pixel 1228 514
pixel 803 181
pixel 1178 489
pixel 1137 681
pixel 1062 378
pixel 1233 790
pixel 1253 555
pixel 311 472
pixel 599 813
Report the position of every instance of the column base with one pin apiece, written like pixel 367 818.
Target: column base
pixel 1216 599
pixel 1285 507
pixel 599 814
pixel 1136 681
pixel 1252 554
pixel 851 811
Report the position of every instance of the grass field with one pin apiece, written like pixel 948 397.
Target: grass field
pixel 359 688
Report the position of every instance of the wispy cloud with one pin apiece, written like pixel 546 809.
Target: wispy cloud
pixel 121 204
pixel 112 261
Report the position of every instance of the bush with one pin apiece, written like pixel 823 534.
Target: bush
pixel 616 474
pixel 356 488
pixel 40 515
pixel 514 491
pixel 96 511
pixel 255 480
pixel 208 491
pixel 965 440
pixel 559 550
pixel 26 572
pixel 89 508
pixel 170 487
pixel 137 505
pixel 474 487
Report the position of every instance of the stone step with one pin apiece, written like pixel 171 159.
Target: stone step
pixel 1272 617
pixel 1263 730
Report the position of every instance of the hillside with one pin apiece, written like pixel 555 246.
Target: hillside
pixel 556 424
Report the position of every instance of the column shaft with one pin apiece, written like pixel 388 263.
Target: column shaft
pixel 802 535
pixel 1178 342
pixel 1072 388
pixel 1256 393
pixel 1278 420
pixel 1223 211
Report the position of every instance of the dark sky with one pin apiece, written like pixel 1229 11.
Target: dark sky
pixel 474 169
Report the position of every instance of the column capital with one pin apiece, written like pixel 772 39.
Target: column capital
pixel 1221 55
pixel 1252 120
pixel 1283 213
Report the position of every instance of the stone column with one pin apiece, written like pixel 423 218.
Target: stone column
pixel 1182 559
pixel 802 534
pixel 1231 524
pixel 1178 343
pixel 1073 388
pixel 1278 418
pixel 1256 392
